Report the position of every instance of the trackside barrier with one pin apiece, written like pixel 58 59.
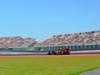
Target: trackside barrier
pixel 46 52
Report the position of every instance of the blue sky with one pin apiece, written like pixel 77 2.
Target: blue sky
pixel 43 18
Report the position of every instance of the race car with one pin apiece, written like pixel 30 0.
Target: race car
pixel 60 51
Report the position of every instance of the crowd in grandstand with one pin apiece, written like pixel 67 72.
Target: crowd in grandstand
pixel 66 39
pixel 15 42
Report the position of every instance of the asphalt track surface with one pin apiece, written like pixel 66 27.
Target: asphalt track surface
pixel 93 72
pixel 55 55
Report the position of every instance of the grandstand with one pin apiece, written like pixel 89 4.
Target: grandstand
pixel 70 39
pixel 78 43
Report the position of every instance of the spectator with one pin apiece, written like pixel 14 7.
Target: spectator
pixel 66 39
